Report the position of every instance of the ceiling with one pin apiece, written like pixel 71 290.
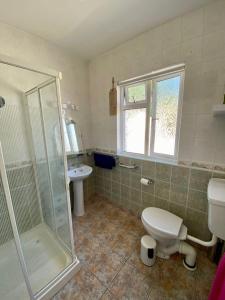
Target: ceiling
pixel 91 27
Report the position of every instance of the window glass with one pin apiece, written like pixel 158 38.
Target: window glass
pixel 134 136
pixel 136 93
pixel 156 103
pixel 166 97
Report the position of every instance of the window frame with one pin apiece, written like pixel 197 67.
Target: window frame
pixel 150 105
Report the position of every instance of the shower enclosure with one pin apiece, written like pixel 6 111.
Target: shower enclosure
pixel 36 239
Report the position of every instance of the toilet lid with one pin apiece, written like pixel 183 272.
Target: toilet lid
pixel 162 221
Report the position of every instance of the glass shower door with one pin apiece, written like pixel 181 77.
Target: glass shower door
pixel 47 144
pixel 12 280
pixel 45 134
pixel 49 98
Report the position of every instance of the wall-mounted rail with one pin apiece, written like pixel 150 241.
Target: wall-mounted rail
pixel 127 166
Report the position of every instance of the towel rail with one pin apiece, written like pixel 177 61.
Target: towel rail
pixel 127 166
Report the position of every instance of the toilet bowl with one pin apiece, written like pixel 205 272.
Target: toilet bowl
pixel 169 232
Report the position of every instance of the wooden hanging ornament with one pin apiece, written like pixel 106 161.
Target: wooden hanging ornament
pixel 113 99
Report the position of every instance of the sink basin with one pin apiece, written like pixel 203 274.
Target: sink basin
pixel 77 175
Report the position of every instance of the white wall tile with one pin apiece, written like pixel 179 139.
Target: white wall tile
pixel 189 106
pixel 214 17
pixel 219 157
pixel 204 127
pixel 219 140
pixel 191 50
pixel 203 151
pixel 172 56
pixel 192 24
pixel 171 33
pixel 214 45
pixel 186 146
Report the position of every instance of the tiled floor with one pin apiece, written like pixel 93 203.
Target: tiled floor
pixel 108 245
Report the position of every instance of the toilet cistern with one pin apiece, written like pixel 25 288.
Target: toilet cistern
pixel 77 175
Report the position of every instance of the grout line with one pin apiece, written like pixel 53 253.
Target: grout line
pixel 104 293
pixel 188 189
pixel 116 275
pixel 170 186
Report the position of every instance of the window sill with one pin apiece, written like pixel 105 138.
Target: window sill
pixel 148 158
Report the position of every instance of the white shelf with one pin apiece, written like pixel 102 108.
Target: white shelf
pixel 219 110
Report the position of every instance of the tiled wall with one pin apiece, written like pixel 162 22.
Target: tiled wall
pixel 179 189
pixel 196 39
pixel 25 202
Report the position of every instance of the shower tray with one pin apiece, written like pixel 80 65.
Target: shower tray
pixel 42 251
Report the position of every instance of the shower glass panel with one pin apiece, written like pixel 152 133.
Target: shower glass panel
pixel 34 162
pixel 48 97
pixel 12 281
pixel 42 171
pixel 43 112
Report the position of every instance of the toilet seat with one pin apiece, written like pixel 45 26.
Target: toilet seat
pixel 162 222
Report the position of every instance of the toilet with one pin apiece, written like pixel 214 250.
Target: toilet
pixel 166 228
pixel 170 233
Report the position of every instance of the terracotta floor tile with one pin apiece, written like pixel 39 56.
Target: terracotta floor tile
pixel 204 275
pixel 130 284
pixel 80 236
pixel 159 293
pixel 88 249
pixel 83 286
pixel 125 244
pixel 108 296
pixel 105 266
pixel 114 214
pixel 135 227
pixel 175 282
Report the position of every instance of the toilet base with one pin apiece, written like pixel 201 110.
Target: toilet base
pixel 162 255
pixel 164 251
pixel 166 248
pixel 189 268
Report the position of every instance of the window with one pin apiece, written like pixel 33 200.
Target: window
pixel 135 93
pixel 150 112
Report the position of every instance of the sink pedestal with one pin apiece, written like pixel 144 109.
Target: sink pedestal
pixel 78 201
pixel 77 175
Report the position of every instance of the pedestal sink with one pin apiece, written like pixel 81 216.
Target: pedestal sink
pixel 77 175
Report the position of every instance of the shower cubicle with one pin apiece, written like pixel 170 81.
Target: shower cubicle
pixel 36 238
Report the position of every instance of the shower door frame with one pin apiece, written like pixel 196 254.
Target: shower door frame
pixel 59 281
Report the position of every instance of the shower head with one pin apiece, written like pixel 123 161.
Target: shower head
pixel 2 102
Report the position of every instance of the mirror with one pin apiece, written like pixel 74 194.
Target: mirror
pixel 72 136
